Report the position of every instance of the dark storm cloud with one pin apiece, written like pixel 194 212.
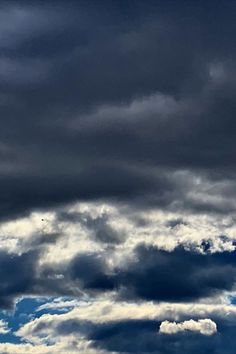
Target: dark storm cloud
pixel 65 62
pixel 21 193
pixel 178 275
pixel 158 275
pixel 92 272
pixel 17 275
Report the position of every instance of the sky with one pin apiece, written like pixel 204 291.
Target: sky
pixel 117 177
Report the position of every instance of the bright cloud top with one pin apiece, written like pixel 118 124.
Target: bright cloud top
pixel 204 326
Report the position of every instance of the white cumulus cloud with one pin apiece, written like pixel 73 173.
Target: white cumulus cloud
pixel 206 327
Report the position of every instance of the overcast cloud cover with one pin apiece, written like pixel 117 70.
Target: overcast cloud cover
pixel 117 177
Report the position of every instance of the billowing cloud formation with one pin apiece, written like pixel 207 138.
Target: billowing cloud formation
pixel 94 106
pixel 206 327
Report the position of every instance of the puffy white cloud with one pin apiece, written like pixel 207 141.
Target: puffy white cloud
pixel 206 327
